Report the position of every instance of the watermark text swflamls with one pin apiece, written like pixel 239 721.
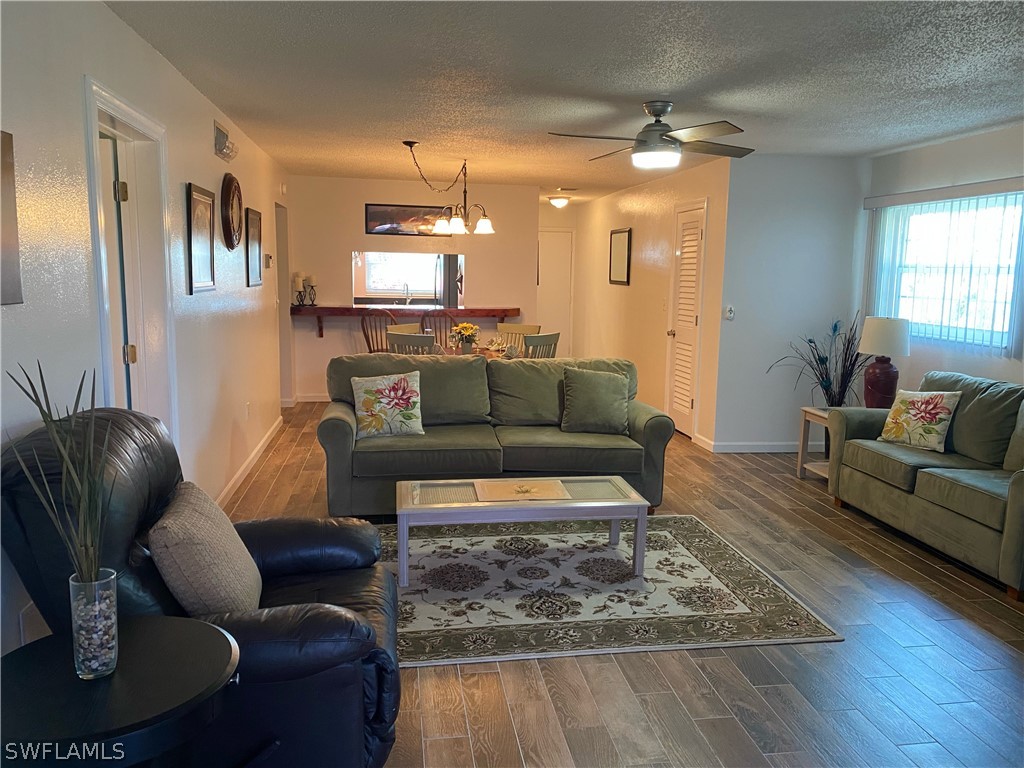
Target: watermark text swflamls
pixel 51 750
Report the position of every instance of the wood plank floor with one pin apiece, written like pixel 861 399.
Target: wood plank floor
pixel 930 674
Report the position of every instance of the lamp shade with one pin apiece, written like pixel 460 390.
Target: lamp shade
pixel 484 227
pixel 885 337
pixel 442 227
pixel 458 225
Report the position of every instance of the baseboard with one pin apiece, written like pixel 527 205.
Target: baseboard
pixel 288 403
pixel 765 447
pixel 702 442
pixel 236 481
pixel 317 397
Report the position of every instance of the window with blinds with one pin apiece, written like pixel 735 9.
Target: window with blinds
pixel 954 269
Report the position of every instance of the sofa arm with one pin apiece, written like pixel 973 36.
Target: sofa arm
pixel 337 434
pixel 290 642
pixel 652 429
pixel 850 424
pixel 1011 554
pixel 288 546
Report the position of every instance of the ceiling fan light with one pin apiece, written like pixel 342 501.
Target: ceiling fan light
pixel 656 157
pixel 442 227
pixel 559 201
pixel 458 225
pixel 483 227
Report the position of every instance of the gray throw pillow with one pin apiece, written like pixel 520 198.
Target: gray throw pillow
pixel 595 401
pixel 201 557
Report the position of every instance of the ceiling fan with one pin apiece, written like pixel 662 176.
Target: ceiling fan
pixel 659 146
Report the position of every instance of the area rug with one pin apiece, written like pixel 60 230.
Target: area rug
pixel 526 590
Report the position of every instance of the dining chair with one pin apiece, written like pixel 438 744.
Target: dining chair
pixel 410 343
pixel 512 333
pixel 540 345
pixel 376 323
pixel 438 322
pixel 404 328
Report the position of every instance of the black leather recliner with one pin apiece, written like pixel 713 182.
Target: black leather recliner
pixel 318 681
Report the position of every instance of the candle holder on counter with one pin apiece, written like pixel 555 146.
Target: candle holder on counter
pixel 305 288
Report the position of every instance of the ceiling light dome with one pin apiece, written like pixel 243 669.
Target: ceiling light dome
pixel 559 201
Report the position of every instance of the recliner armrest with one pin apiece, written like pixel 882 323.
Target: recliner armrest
pixel 289 546
pixel 290 642
pixel 850 424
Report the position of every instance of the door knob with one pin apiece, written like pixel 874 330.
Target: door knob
pixel 670 333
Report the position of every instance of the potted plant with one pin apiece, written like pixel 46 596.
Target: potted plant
pixel 78 512
pixel 464 335
pixel 832 364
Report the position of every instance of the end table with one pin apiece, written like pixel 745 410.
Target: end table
pixel 809 415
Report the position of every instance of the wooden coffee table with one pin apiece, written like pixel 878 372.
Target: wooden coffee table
pixel 449 502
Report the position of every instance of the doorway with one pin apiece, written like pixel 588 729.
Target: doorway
pixel 126 157
pixel 684 339
pixel 554 285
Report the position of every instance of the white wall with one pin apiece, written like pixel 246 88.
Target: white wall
pixel 227 348
pixel 789 271
pixel 982 157
pixel 326 222
pixel 631 321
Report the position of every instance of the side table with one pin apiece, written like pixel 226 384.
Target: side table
pixel 809 415
pixel 167 686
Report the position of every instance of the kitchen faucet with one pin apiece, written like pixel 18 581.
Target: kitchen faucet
pixel 408 293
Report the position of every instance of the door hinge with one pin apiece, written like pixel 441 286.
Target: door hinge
pixel 121 191
pixel 691 403
pixel 129 354
pixel 696 320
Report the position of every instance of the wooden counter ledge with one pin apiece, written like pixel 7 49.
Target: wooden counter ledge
pixel 398 310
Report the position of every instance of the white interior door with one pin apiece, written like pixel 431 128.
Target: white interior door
pixel 554 286
pixel 683 346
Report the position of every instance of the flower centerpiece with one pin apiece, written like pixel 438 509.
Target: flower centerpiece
pixel 832 364
pixel 464 335
pixel 77 504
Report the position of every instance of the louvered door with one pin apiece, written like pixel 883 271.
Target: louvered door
pixel 685 319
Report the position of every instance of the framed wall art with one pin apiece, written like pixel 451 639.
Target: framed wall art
pixel 10 265
pixel 253 248
pixel 402 219
pixel 200 239
pixel 619 256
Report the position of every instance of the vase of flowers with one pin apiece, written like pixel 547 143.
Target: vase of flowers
pixel 77 504
pixel 464 335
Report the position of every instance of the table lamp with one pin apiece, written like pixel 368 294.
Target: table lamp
pixel 883 337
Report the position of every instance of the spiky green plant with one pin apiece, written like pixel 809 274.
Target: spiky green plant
pixel 832 365
pixel 80 511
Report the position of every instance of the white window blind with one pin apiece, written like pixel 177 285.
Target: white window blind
pixel 394 274
pixel 954 269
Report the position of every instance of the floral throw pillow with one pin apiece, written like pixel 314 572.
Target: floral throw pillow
pixel 387 405
pixel 920 419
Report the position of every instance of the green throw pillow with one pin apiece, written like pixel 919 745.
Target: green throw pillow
pixel 595 401
pixel 387 405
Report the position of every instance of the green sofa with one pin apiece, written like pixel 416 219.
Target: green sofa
pixel 482 418
pixel 967 502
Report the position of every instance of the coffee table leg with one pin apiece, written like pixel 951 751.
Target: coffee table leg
pixel 613 536
pixel 403 550
pixel 640 541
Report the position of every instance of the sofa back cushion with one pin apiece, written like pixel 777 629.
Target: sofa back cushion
pixel 531 392
pixel 985 418
pixel 453 388
pixel 1015 451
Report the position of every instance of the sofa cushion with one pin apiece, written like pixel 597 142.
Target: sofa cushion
pixel 1015 450
pixel 201 557
pixel 457 449
pixel 549 449
pixel 387 405
pixel 920 419
pixel 985 418
pixel 453 387
pixel 526 392
pixel 595 401
pixel 979 494
pixel 898 464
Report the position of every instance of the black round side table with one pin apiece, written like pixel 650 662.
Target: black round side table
pixel 166 688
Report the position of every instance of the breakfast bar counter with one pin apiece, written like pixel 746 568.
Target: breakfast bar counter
pixel 398 310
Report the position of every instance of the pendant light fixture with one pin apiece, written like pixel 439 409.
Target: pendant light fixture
pixel 455 219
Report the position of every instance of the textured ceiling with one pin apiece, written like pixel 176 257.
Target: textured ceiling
pixel 331 89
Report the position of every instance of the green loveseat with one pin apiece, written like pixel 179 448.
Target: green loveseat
pixel 967 502
pixel 482 418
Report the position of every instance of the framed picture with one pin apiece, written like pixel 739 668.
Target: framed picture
pixel 200 239
pixel 253 248
pixel 618 256
pixel 402 219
